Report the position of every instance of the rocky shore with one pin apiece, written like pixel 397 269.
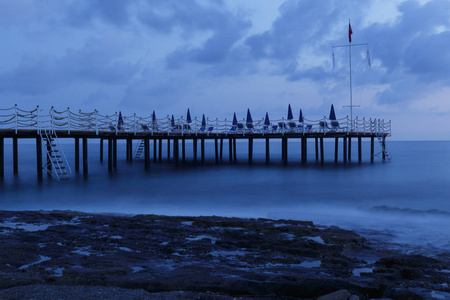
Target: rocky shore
pixel 74 255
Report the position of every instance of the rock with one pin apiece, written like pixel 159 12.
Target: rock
pixel 338 295
pixel 354 297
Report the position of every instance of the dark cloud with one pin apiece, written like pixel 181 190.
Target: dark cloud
pixel 83 12
pixel 37 74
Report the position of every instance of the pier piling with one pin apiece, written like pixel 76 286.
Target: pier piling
pixel 2 158
pixel 77 155
pixel 15 156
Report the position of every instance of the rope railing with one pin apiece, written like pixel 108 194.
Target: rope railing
pixel 38 119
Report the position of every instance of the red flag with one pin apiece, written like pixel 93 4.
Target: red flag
pixel 349 33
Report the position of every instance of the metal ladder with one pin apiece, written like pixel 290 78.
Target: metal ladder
pixel 57 164
pixel 139 150
pixel 384 152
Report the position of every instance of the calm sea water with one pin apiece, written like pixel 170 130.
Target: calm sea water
pixel 404 201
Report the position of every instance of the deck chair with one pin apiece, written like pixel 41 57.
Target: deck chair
pixel 291 126
pixel 145 127
pixel 334 125
pixel 249 126
pixel 233 129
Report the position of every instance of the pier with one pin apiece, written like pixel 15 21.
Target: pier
pixel 151 133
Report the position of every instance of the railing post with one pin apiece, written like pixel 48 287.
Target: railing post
pixel 96 122
pixel 117 122
pixel 68 120
pixel 356 124
pixel 15 117
pixel 51 120
pixel 217 126
pixel 324 125
pixel 37 120
pixel 364 124
pixel 134 124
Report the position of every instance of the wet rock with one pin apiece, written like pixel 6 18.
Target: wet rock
pixel 338 295
pixel 203 255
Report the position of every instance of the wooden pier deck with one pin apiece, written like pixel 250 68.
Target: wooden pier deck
pixel 92 126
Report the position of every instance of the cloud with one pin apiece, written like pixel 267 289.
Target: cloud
pixel 39 73
pixel 83 12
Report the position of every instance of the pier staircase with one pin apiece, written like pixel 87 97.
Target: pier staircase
pixel 384 152
pixel 57 164
pixel 139 150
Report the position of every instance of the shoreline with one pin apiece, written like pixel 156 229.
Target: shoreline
pixel 225 257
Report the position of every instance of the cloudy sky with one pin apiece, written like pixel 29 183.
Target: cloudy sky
pixel 223 56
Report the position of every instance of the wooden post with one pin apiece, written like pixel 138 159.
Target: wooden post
pixel 101 150
pixel 250 150
pixel 372 152
pixel 127 149
pixel 154 150
pixel 216 148
pixel 2 157
pixel 304 149
pixel 160 150
pixel 130 150
pixel 146 154
pixel 230 149
pixel 77 155
pixel 267 151
pixel 15 156
pixel 285 150
pixel 383 147
pixel 115 154
pixel 176 150
pixel 49 154
pixel 38 158
pixel 322 155
pixel 85 157
pixel 336 149
pixel 183 150
pixel 317 148
pixel 110 156
pixel 344 150
pixel 202 149
pixel 194 145
pixel 349 148
pixel 234 150
pixel 221 148
pixel 359 150
pixel 168 149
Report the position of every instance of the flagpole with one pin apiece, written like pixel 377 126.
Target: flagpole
pixel 350 67
pixel 350 32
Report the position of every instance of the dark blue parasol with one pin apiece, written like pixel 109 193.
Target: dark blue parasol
pixel 172 122
pixel 300 119
pixel 332 114
pixel 249 116
pixel 266 119
pixel 290 116
pixel 188 116
pixel 153 118
pixel 120 121
pixel 234 119
pixel 203 121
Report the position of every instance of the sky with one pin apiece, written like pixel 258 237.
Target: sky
pixel 217 57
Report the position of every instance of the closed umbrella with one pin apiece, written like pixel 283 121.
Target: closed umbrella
pixel 266 119
pixel 120 121
pixel 249 116
pixel 300 119
pixel 188 116
pixel 234 119
pixel 290 116
pixel 332 114
pixel 203 121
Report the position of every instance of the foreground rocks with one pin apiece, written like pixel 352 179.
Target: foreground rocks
pixel 146 256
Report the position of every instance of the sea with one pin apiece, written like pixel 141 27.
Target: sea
pixel 403 202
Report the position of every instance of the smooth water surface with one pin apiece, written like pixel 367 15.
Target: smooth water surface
pixel 405 200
